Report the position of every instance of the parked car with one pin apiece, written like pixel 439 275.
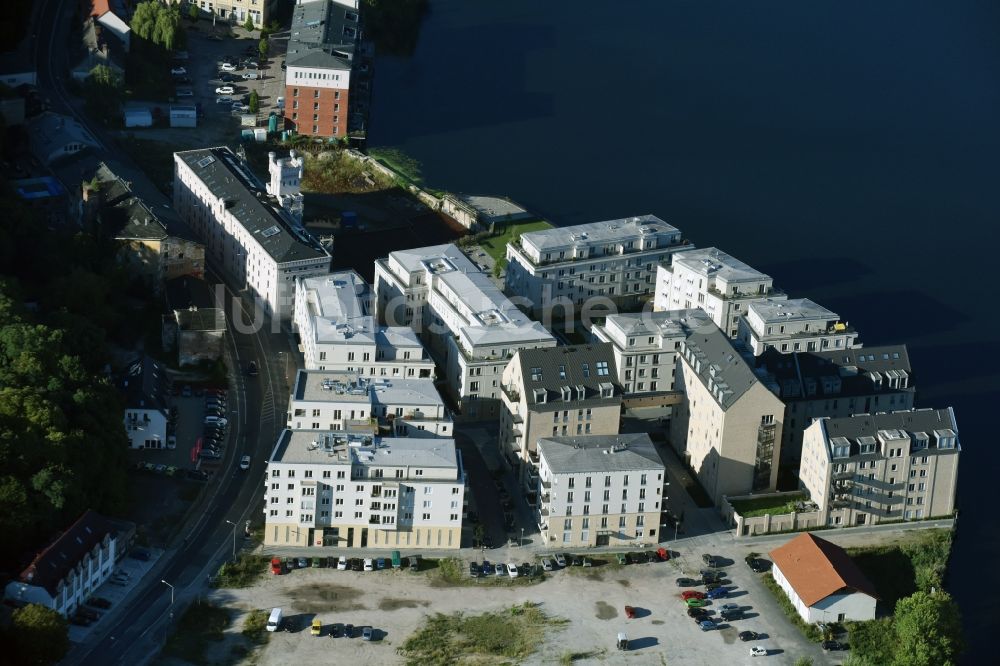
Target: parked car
pixel 757 565
pixel 500 569
pixel 380 563
pixel 547 564
pixel 748 636
pixel 227 67
pixel 241 107
pixel 758 651
pixel 216 421
pixel 729 607
pixel 686 582
pixel 184 92
pixel 636 558
pixel 342 563
pixel 226 77
pixel 250 75
pixel 707 625
pixel 577 561
pixel 710 560
pixel 718 593
pixel 357 564
pixel 210 454
pixel 245 462
pixel 276 568
pixel 317 627
pixel 621 558
pixel 697 612
pixel 512 570
pixel 225 90
pixel 178 71
pixel 302 563
pixel 369 564
pixel 834 645
pixel 696 603
pixel 367 633
pixel 692 594
pixel 474 569
pixel 730 615
pixel 486 569
pixel 348 631
pixel 336 630
pixel 560 560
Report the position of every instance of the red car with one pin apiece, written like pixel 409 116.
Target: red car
pixel 276 565
pixel 629 612
pixel 692 594
pixel 663 554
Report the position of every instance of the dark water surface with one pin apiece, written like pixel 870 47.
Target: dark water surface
pixel 850 149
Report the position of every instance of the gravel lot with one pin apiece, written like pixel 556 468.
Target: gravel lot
pixel 592 599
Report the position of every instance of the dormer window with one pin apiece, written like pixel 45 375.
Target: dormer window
pixel 567 394
pixel 539 396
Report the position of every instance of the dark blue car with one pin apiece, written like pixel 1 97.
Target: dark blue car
pixel 487 569
pixel 718 593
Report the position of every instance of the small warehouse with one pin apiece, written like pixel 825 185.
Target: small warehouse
pixel 138 118
pixel 183 116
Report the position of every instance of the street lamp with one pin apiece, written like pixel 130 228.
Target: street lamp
pixel 234 538
pixel 171 596
pixel 520 544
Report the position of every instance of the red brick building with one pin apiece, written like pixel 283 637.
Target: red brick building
pixel 319 61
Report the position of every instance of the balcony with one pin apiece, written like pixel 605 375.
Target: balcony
pixel 843 475
pixel 545 484
pixel 511 394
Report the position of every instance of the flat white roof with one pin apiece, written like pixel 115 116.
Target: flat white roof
pixel 771 310
pixel 610 231
pixel 323 447
pixel 713 262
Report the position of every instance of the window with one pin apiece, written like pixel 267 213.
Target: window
pixel 602 368
pixel 536 374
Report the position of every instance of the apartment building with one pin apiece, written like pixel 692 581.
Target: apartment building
pixel 344 401
pixel 793 325
pixel 144 386
pixel 718 283
pixel 322 47
pixel 646 345
pixel 471 329
pixel 616 259
pixel 872 468
pixel 729 427
pixel 71 568
pixel 246 232
pixel 835 383
pixel 602 490
pixel 337 331
pixel 358 491
pixel 556 391
pixel 237 11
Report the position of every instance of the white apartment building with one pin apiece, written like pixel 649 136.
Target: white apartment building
pixel 646 346
pixel 729 426
pixel 237 11
pixel 144 386
pixel 471 328
pixel 358 491
pixel 337 331
pixel 872 468
pixel 793 325
pixel 601 490
pixel 245 231
pixel 718 283
pixel 616 259
pixel 69 571
pixel 343 401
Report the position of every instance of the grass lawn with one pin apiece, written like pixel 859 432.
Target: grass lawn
pixel 200 624
pixel 255 626
pixel 496 247
pixel 763 506
pixel 899 570
pixel 507 636
pixel 242 573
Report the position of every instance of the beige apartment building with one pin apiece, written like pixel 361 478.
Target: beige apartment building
pixel 729 428
pixel 873 468
pixel 556 392
pixel 601 490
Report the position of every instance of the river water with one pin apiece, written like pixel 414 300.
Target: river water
pixel 847 148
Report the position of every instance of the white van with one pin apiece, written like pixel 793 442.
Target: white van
pixel 274 622
pixel 216 420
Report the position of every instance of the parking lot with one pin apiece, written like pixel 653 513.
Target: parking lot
pixel 128 572
pixel 593 599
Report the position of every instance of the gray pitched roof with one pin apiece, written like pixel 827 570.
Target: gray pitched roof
pixel 843 372
pixel 145 385
pixel 722 370
pixel 572 366
pixel 322 36
pixel 914 420
pixel 599 453
pixel 245 197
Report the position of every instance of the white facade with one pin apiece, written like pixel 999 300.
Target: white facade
pixel 599 490
pixel 616 259
pixel 285 182
pixel 791 325
pixel 341 401
pixel 646 346
pixel 337 329
pixel 471 328
pixel 251 237
pixel 62 584
pixel 849 606
pixel 718 283
pixel 347 490
pixel 146 428
pixel 318 77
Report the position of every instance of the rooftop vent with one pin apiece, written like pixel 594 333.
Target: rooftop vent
pixel 270 231
pixel 205 161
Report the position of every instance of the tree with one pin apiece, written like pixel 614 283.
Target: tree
pixel 248 25
pixel 254 102
pixel 193 12
pixel 102 91
pixel 263 47
pixel 39 635
pixel 928 630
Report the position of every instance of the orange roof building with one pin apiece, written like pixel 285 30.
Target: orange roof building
pixel 822 582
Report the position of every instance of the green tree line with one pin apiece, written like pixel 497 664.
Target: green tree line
pixel 62 441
